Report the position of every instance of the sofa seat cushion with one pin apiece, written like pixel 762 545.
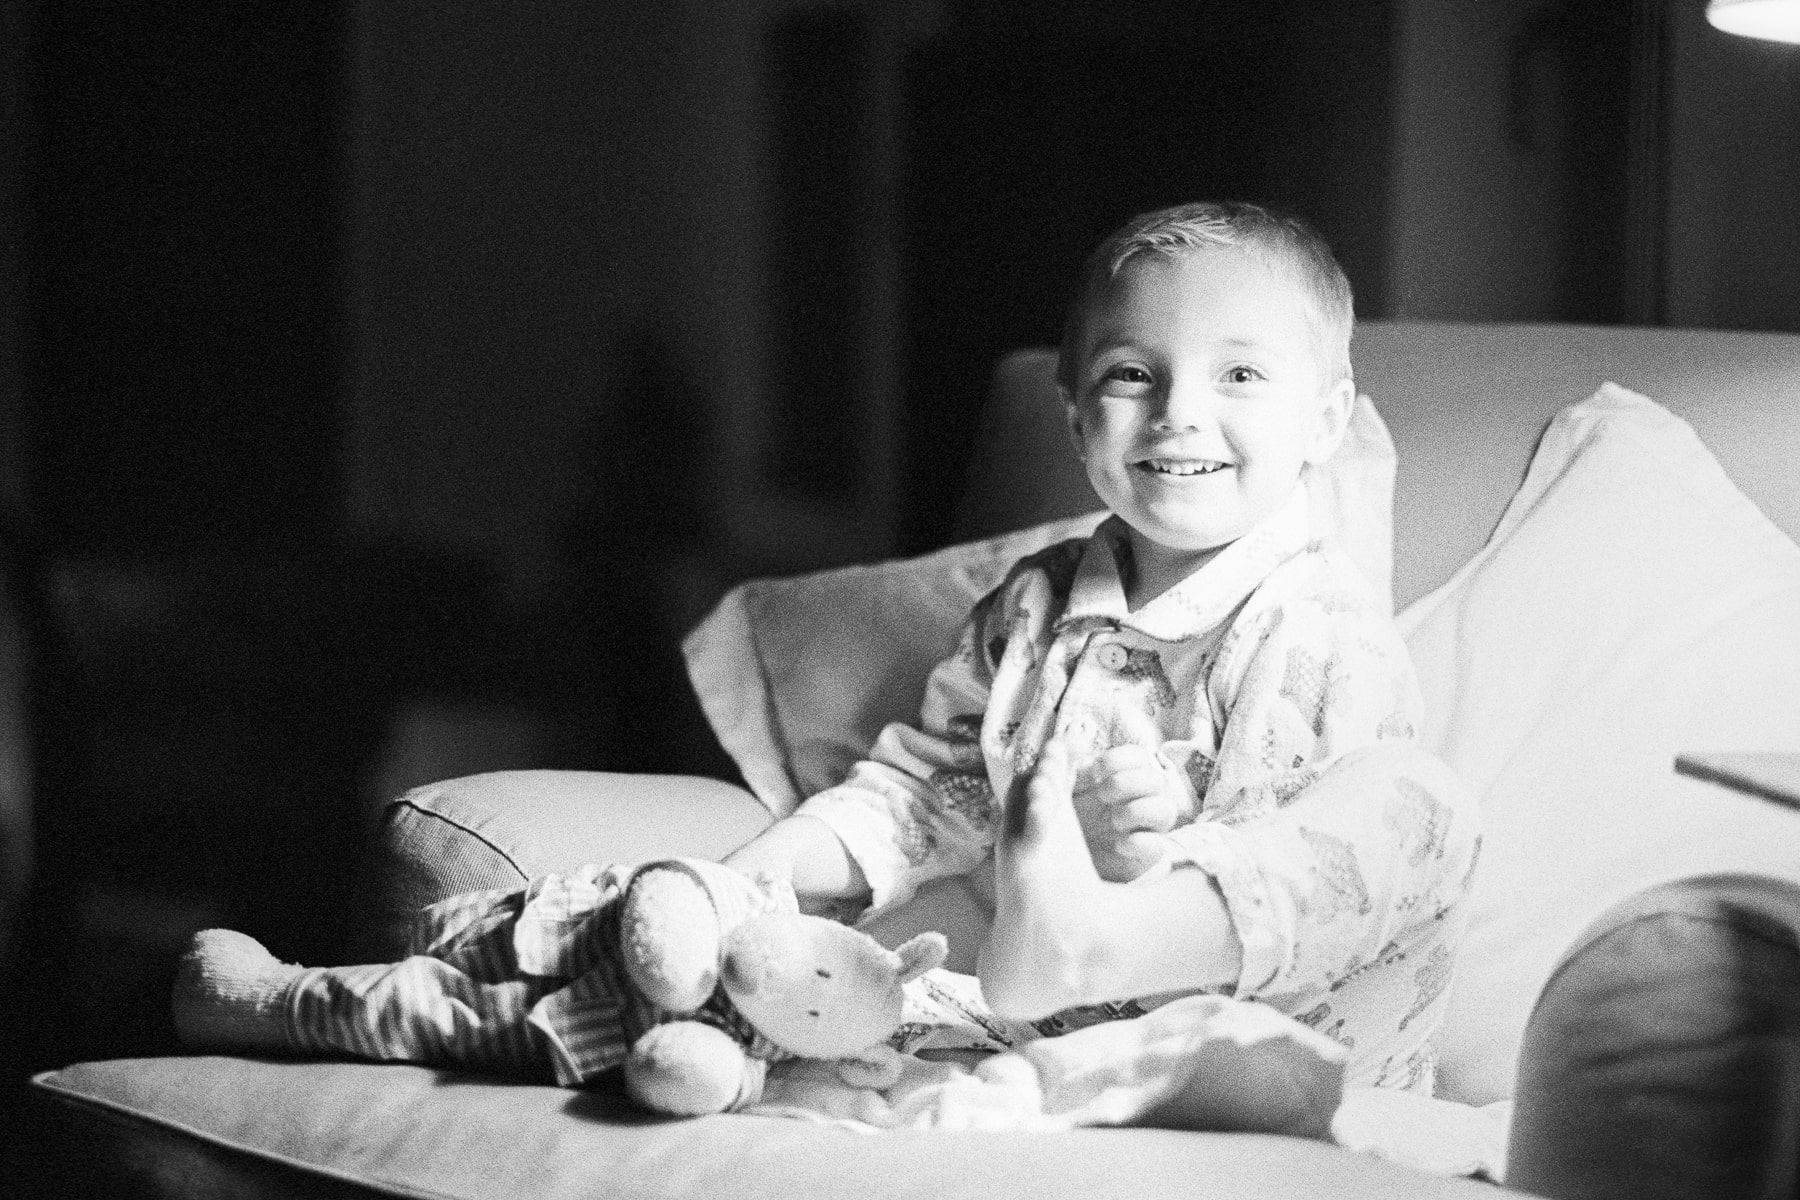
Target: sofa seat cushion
pixel 233 1126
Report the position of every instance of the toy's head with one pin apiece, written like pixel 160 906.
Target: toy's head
pixel 819 989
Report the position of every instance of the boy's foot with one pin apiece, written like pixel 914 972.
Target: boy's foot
pixel 1039 957
pixel 229 994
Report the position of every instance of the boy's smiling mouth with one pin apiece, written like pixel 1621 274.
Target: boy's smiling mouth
pixel 1181 466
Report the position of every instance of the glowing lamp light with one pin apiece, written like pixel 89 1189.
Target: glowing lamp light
pixel 1775 20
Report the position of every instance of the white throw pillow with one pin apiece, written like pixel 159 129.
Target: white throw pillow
pixel 797 676
pixel 1632 604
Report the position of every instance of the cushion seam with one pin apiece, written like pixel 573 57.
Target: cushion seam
pixel 465 828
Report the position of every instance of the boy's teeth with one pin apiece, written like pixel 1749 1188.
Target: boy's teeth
pixel 1167 466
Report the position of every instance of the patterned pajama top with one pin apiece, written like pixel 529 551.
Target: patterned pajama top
pixel 1278 686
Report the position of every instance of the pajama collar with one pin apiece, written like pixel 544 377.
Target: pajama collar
pixel 1202 600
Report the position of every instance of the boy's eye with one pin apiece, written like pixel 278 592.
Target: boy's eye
pixel 1128 375
pixel 1243 375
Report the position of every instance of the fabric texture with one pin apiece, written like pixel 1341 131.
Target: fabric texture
pixel 1632 604
pixel 798 676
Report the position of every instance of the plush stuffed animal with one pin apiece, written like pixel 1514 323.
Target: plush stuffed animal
pixel 812 987
pixel 688 932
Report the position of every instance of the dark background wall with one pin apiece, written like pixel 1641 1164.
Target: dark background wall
pixel 385 387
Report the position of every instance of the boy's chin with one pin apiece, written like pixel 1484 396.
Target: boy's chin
pixel 1168 542
pixel 1189 553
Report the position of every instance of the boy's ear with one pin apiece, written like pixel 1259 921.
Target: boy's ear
pixel 1072 416
pixel 1331 422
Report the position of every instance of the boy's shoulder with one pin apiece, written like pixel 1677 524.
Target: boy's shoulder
pixel 1053 567
pixel 1320 580
pixel 1038 581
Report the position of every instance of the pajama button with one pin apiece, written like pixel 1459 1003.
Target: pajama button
pixel 1113 656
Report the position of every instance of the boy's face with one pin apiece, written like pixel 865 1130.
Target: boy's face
pixel 1197 397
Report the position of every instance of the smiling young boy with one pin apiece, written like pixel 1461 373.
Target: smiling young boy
pixel 1219 713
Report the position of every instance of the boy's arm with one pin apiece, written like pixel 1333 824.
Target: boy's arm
pixel 1324 831
pixel 918 806
pixel 1327 830
pixel 1300 683
pixel 804 851
pixel 1301 898
pixel 1383 844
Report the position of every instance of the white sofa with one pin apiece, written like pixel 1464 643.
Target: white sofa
pixel 1631 980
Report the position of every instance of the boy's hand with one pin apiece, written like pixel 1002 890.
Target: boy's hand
pixel 1126 800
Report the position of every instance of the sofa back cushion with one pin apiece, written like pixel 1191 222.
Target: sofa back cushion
pixel 1631 605
pixel 1465 404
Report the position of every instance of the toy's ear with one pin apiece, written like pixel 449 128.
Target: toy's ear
pixel 743 970
pixel 920 954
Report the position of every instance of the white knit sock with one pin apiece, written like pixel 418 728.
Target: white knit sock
pixel 231 994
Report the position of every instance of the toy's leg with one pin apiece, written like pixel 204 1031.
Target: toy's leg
pixel 229 994
pixel 233 995
pixel 416 1010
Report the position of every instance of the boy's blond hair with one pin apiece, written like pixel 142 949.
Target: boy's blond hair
pixel 1283 241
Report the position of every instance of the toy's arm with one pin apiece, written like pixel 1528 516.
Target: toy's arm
pixel 688 1069
pixel 674 918
pixel 877 1067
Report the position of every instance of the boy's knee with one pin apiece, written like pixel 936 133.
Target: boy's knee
pixel 1420 802
pixel 1404 773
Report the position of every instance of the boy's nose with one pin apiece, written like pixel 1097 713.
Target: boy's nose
pixel 1184 405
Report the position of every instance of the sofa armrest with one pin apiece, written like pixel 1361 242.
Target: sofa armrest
pixel 1662 1058
pixel 499 829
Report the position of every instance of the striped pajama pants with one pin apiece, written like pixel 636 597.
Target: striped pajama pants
pixel 420 1009
pixel 461 1000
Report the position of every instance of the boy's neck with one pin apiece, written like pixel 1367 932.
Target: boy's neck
pixel 1147 570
